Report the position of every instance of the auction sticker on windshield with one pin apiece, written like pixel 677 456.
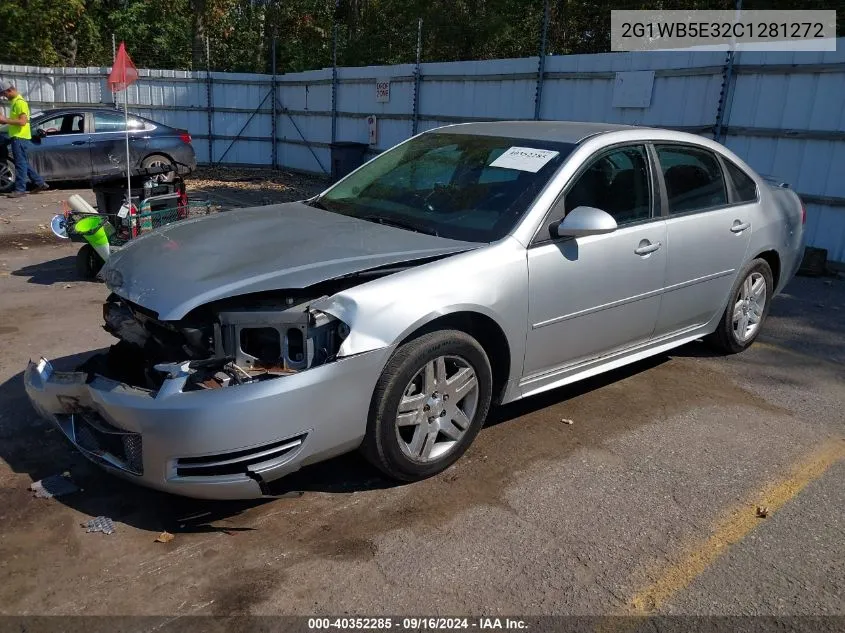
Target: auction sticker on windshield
pixel 524 159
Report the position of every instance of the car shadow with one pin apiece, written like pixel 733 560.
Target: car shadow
pixel 697 349
pixel 55 271
pixel 102 494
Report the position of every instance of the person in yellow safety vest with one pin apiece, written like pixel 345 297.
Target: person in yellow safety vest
pixel 21 140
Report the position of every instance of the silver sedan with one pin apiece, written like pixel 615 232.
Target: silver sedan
pixel 470 265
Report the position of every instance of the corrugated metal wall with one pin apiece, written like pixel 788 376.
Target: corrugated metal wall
pixel 787 119
pixel 784 113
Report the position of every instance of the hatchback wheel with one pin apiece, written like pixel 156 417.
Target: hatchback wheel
pixel 749 305
pixel 428 406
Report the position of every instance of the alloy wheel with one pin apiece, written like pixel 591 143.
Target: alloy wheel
pixel 749 307
pixel 437 407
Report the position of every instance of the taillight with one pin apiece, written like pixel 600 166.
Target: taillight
pixel 803 214
pixel 186 137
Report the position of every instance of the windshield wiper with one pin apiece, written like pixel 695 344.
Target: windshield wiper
pixel 401 224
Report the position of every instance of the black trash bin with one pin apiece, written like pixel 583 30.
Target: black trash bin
pixel 346 157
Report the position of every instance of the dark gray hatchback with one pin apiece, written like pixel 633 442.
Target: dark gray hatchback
pixel 83 143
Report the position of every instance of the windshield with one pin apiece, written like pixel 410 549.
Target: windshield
pixel 460 186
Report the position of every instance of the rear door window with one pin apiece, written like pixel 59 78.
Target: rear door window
pixel 693 177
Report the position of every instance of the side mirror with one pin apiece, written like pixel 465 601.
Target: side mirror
pixel 583 221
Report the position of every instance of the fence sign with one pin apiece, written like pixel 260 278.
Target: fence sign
pixel 382 90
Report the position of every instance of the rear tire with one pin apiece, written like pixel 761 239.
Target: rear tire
pixel 88 262
pixel 747 309
pixel 443 383
pixel 155 160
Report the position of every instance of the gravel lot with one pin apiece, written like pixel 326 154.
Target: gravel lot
pixel 647 503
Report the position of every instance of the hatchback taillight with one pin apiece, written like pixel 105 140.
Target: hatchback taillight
pixel 186 137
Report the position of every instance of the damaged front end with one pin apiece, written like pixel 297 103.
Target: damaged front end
pixel 218 404
pixel 226 343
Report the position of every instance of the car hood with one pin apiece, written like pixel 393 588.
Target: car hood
pixel 186 264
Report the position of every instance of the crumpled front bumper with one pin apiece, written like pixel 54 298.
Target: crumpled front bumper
pixel 225 443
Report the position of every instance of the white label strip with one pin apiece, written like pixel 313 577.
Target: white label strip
pixel 524 159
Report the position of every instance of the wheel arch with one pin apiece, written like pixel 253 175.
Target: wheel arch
pixel 157 153
pixel 482 328
pixel 772 258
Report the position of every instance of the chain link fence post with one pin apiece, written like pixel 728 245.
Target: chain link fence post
pixel 334 74
pixel 275 87
pixel 417 81
pixel 541 65
pixel 209 101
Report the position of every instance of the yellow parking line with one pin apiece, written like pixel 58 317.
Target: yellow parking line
pixel 740 521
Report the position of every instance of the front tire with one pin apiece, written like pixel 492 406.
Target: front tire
pixel 7 176
pixel 747 310
pixel 429 404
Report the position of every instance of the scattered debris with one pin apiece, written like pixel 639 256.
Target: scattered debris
pixel 24 248
pixel 567 421
pixel 164 537
pixel 53 486
pixel 264 180
pixel 762 512
pixel 99 524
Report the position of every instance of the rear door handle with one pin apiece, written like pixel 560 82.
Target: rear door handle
pixel 739 227
pixel 79 143
pixel 646 247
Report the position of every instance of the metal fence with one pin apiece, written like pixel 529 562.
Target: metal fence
pixel 781 111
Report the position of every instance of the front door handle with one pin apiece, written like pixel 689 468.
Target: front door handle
pixel 739 226
pixel 646 247
pixel 79 142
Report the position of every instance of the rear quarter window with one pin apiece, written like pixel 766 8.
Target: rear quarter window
pixel 746 188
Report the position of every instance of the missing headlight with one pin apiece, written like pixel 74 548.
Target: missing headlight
pixel 264 344
pixel 266 339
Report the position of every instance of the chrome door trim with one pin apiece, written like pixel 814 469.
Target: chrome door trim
pixel 632 299
pixel 605 306
pixel 698 280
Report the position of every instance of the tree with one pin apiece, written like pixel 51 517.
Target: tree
pixel 198 48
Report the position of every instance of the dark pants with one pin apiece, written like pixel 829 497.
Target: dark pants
pixel 22 169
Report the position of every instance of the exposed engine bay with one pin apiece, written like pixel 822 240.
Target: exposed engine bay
pixel 230 342
pixel 237 340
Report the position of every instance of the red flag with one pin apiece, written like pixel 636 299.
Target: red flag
pixel 123 74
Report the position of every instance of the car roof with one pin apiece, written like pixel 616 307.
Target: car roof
pixel 57 111
pixel 82 108
pixel 561 131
